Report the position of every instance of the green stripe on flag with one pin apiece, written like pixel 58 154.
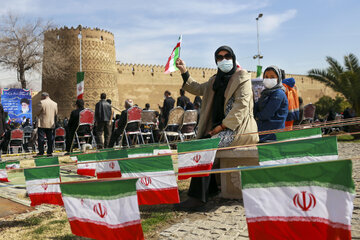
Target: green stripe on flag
pixel 41 173
pixel 113 154
pixel 141 150
pixel 46 161
pixel 332 174
pixel 307 147
pixel 2 165
pixel 303 133
pixel 100 190
pixel 150 164
pixel 194 145
pixel 80 77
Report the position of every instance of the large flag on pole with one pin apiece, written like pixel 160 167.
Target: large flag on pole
pixel 157 182
pixel 307 150
pixel 199 158
pixel 80 84
pixel 38 188
pixel 103 210
pixel 302 201
pixel 175 54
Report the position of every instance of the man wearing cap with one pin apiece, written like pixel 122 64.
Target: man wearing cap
pixel 121 123
pixel 103 121
pixel 46 113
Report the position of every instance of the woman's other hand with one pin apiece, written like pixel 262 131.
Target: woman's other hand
pixel 217 129
pixel 180 64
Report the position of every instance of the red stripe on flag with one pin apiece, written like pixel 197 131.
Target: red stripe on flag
pixel 296 230
pixel 49 198
pixel 202 167
pixel 96 231
pixel 86 172
pixel 158 196
pixel 4 180
pixel 80 96
pixel 113 174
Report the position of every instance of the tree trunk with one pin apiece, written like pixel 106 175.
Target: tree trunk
pixel 22 76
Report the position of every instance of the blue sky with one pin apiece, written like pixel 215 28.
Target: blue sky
pixel 295 35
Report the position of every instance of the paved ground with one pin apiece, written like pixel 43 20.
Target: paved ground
pixel 225 219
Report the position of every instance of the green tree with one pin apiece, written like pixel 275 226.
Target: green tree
pixel 344 80
pixel 326 103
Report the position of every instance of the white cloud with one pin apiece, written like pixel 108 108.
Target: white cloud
pixel 272 22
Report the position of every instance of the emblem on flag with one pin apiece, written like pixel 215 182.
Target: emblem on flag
pixel 100 210
pixel 304 200
pixel 197 158
pixel 146 181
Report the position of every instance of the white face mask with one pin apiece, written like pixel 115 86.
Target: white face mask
pixel 270 82
pixel 225 65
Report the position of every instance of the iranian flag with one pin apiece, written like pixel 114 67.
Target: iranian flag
pixel 162 150
pixel 157 182
pixel 38 188
pixel 103 210
pixel 86 165
pixel 308 150
pixel 299 134
pixel 12 165
pixel 7 120
pixel 171 63
pixel 302 201
pixel 109 169
pixel 80 85
pixel 3 173
pixel 197 159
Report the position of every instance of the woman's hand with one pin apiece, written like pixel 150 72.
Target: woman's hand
pixel 180 64
pixel 217 129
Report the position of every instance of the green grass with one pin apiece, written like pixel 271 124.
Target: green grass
pixel 33 221
pixel 345 138
pixel 41 229
pixel 154 219
pixel 63 221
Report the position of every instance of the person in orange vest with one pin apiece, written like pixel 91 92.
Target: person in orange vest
pixel 293 100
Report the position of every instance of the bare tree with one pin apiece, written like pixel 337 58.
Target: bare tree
pixel 21 45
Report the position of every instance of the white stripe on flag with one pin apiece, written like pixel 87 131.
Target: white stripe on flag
pixel 3 173
pixel 154 180
pixel 40 186
pixel 196 158
pixel 113 212
pixel 279 202
pixel 300 160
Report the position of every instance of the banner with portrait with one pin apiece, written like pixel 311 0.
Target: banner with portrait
pixel 17 103
pixel 257 86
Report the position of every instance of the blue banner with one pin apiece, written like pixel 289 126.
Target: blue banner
pixel 17 102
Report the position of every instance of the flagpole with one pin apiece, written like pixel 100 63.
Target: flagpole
pixel 80 36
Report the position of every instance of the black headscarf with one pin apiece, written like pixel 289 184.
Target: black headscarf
pixel 219 87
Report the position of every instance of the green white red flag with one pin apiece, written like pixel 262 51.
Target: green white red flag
pixel 80 84
pixel 175 54
pixel 38 188
pixel 86 165
pixel 103 210
pixel 3 173
pixel 12 165
pixel 300 201
pixel 157 182
pixel 109 169
pixel 199 157
pixel 299 134
pixel 307 150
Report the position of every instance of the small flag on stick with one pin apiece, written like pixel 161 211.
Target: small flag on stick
pixel 80 84
pixel 171 63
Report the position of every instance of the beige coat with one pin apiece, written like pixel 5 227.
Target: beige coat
pixel 240 119
pixel 46 113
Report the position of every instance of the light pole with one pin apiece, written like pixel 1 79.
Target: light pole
pixel 258 56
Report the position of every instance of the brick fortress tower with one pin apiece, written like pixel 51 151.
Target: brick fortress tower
pixel 62 62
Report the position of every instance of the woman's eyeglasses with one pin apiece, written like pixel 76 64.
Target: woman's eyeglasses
pixel 221 57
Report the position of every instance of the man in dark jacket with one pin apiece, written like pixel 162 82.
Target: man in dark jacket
pixel 121 123
pixel 73 123
pixel 102 120
pixel 167 106
pixel 182 101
